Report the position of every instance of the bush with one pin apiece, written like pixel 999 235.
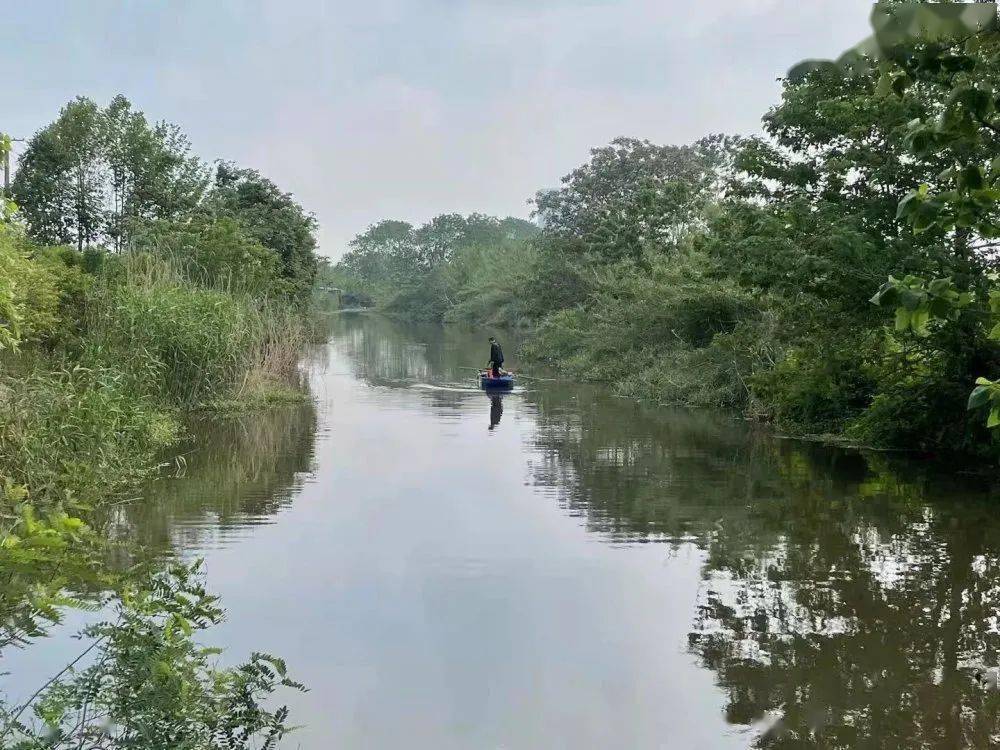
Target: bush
pixel 657 333
pixel 183 344
pixel 77 435
pixel 151 685
pixel 216 253
pixel 817 389
pixel 38 291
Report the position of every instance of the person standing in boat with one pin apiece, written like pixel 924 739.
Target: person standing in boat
pixel 496 357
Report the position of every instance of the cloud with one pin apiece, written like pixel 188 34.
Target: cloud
pixel 409 108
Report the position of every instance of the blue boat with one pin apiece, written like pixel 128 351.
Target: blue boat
pixel 489 383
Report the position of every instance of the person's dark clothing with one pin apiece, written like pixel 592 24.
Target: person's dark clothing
pixel 496 358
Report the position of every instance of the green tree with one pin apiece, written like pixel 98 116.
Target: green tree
pixel 94 173
pixel 60 182
pixel 151 172
pixel 272 217
pixel 633 196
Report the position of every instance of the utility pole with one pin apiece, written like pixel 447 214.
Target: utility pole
pixel 5 144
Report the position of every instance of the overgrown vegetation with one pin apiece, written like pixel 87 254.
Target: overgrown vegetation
pixel 740 272
pixel 136 283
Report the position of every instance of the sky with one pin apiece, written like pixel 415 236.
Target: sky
pixel 405 109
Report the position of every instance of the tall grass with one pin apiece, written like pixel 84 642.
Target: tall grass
pixel 87 419
pixel 76 435
pixel 187 345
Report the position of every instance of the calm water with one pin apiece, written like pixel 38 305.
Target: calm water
pixel 563 569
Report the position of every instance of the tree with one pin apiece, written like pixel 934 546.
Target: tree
pixel 270 216
pixel 633 196
pixel 151 172
pixel 59 182
pixel 92 175
pixel 380 254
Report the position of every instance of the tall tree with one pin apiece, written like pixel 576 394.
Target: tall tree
pixel 91 175
pixel 270 216
pixel 633 196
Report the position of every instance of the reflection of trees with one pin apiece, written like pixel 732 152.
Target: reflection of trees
pixel 236 471
pixel 389 353
pixel 835 595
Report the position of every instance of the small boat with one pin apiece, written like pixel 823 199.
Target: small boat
pixel 503 382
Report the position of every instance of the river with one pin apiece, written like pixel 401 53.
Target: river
pixel 563 569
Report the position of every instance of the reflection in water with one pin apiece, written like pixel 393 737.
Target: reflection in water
pixel 743 590
pixel 844 601
pixel 236 472
pixel 841 605
pixel 496 410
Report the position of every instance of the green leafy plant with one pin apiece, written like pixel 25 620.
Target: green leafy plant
pixel 144 683
pixel 917 302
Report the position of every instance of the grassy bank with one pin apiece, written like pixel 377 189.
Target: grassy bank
pixel 106 359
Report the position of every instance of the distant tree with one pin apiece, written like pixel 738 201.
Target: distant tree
pixel 382 253
pixel 438 240
pixel 93 174
pixel 271 217
pixel 633 195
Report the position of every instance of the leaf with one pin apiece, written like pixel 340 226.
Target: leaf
pixel 910 299
pixel 902 319
pixel 971 178
pixel 994 419
pixel 979 397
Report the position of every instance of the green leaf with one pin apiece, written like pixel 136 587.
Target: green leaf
pixel 994 419
pixel 902 319
pixel 979 397
pixel 971 178
pixel 910 299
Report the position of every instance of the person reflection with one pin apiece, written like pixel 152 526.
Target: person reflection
pixel 496 410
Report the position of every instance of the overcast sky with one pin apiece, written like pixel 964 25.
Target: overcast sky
pixel 370 109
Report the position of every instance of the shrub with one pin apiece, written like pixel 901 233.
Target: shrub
pixel 149 684
pixel 37 291
pixel 77 435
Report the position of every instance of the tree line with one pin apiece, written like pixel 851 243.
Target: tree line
pixel 755 273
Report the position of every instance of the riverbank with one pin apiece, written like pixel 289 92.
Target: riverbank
pixel 138 286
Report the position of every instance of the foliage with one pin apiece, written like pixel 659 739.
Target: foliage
pixel 425 273
pixel 272 218
pixel 949 60
pixel 41 290
pixel 78 435
pixel 42 553
pixel 183 344
pixel 216 252
pixel 146 683
pixel 94 174
pixel 633 196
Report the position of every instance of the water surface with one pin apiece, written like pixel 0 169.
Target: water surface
pixel 563 569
